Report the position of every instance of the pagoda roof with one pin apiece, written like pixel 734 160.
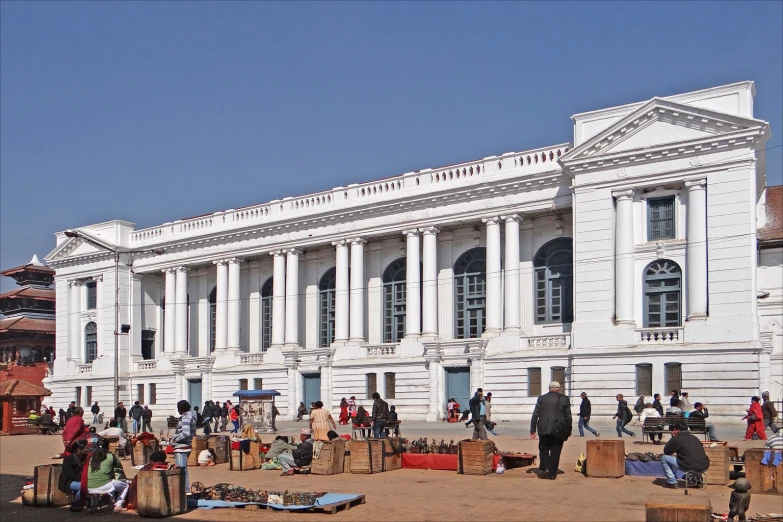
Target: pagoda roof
pixel 34 265
pixel 45 294
pixel 27 324
pixel 18 388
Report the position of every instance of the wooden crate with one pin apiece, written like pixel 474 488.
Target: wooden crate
pixel 718 473
pixel 367 456
pixel 140 453
pixel 766 480
pixel 392 453
pixel 475 457
pixel 241 461
pixel 45 493
pixel 161 493
pixel 347 457
pixel 331 460
pixel 605 458
pixel 668 508
pixel 198 444
pixel 222 446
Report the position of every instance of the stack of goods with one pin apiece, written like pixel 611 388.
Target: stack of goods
pixel 475 457
pixel 367 456
pixel 232 493
pixel 424 447
pixel 643 457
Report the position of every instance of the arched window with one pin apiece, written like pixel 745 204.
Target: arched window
pixel 266 315
pixel 394 301
pixel 470 294
pixel 554 292
pixel 212 318
pixel 90 342
pixel 662 294
pixel 326 291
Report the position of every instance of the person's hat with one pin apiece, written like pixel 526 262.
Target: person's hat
pixel 765 394
pixel 554 384
pixel 306 431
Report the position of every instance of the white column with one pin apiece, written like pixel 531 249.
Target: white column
pixel 204 329
pixel 75 348
pixel 254 309
pixel 234 304
pixel 181 311
pixel 526 278
pixel 341 298
pixel 624 258
pixel 696 249
pixel 292 296
pixel 292 403
pixel 170 325
pixel 278 298
pixel 434 412
pixel 412 285
pixel 136 307
pixel 493 277
pixel 221 306
pixel 357 291
pixel 429 305
pixel 511 279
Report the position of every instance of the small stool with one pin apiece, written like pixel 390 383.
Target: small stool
pixel 695 479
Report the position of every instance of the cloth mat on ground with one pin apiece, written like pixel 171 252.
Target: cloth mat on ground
pixel 329 498
pixel 645 469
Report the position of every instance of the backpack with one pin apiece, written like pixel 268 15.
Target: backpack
pixel 628 416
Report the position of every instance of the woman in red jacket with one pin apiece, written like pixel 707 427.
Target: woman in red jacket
pixel 755 420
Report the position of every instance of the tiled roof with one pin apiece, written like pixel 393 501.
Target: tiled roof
pixel 37 293
pixel 27 324
pixel 773 228
pixel 17 388
pixel 43 269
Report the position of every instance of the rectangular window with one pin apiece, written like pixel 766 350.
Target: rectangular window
pixel 558 374
pixel 258 384
pixel 660 218
pixel 533 382
pixel 88 395
pixel 92 295
pixel 140 393
pixel 372 384
pixel 673 374
pixel 78 395
pixel 391 385
pixel 243 384
pixel 153 393
pixel 644 380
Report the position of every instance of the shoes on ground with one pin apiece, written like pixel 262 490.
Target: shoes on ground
pixel 671 486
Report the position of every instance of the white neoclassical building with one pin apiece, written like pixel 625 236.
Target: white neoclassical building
pixel 622 262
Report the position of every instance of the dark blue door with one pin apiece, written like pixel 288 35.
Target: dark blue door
pixel 194 393
pixel 458 386
pixel 312 388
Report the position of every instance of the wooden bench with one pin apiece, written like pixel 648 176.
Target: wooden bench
pixel 42 429
pixel 655 425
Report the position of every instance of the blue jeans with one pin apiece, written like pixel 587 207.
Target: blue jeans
pixel 136 425
pixel 622 429
pixel 669 463
pixel 181 459
pixel 95 418
pixel 76 486
pixel 207 427
pixel 583 425
pixel 377 430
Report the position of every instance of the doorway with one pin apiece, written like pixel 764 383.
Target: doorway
pixel 194 393
pixel 458 386
pixel 312 388
pixel 148 344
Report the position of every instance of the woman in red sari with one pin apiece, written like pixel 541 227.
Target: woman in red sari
pixel 74 429
pixel 755 420
pixel 343 412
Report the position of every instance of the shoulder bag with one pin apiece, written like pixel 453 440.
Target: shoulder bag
pixel 562 428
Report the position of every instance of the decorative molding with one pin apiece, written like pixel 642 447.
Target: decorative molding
pixel 513 217
pixel 493 220
pixel 219 262
pixel 627 193
pixel 696 184
pixel 621 173
pixel 410 233
pixel 293 252
pixel 430 230
pixel 357 241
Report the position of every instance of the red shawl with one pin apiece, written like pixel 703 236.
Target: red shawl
pixel 73 431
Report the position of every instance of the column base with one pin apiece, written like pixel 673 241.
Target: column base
pixel 232 348
pixel 412 336
pixel 626 322
pixel 341 342
pixel 360 340
pixel 429 336
pixel 697 317
pixel 513 331
pixel 491 332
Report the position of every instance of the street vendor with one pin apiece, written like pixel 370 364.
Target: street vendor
pixel 74 429
pixel 278 446
pixel 207 457
pixel 301 456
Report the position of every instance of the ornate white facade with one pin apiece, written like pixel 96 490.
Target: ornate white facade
pixel 623 261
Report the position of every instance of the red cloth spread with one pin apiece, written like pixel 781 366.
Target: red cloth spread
pixel 435 461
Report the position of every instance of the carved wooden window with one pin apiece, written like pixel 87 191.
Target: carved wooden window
pixel 390 385
pixel 266 315
pixel 673 376
pixel 90 342
pixel 470 294
pixel 660 218
pixel 139 393
pixel 533 382
pixel 662 294
pixel 258 384
pixel 153 393
pixel 644 380
pixel 243 384
pixel 558 374
pixel 372 384
pixel 554 290
pixel 88 395
pixel 326 290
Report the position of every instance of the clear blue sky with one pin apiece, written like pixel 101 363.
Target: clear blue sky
pixel 153 111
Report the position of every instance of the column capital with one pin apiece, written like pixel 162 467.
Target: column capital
pixel 628 193
pixel 293 251
pixel 341 242
pixel 74 282
pixel 411 233
pixel 276 253
pixel 696 184
pixel 357 241
pixel 182 269
pixel 493 220
pixel 431 230
pixel 235 260
pixel 219 262
pixel 97 278
pixel 513 217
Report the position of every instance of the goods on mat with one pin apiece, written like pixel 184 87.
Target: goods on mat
pixel 233 493
pixel 644 457
pixel 422 446
pixel 605 458
pixel 475 457
pixel 161 493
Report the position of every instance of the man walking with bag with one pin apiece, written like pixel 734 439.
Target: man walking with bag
pixel 552 420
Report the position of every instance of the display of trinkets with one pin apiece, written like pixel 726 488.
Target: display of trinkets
pixel 233 493
pixel 424 446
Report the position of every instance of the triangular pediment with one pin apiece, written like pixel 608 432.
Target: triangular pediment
pixel 72 247
pixel 659 123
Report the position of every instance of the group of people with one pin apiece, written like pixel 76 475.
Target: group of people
pixel 381 417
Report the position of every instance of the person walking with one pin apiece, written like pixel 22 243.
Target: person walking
pixel 685 403
pixel 120 414
pixel 488 424
pixel 478 415
pixel 585 409
pixel 224 411
pixel 183 438
pixel 623 417
pixel 755 419
pixel 234 415
pixel 380 414
pixel 146 419
pixel 552 421
pixel 639 406
pixel 216 409
pixel 343 419
pixel 320 419
pixel 135 414
pixel 769 412
pixel 207 413
pixel 95 410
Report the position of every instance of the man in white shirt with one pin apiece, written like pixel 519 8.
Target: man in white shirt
pixel 115 431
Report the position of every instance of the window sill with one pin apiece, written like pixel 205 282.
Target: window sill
pixel 652 246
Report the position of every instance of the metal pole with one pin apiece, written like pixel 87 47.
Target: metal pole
pixel 116 328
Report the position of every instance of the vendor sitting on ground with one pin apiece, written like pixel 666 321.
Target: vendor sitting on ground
pixel 690 454
pixel 207 457
pixel 278 446
pixel 301 456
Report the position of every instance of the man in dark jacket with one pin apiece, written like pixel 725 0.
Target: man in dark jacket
pixel 216 415
pixel 690 454
pixel 146 419
pixel 135 414
pixel 478 415
pixel 207 412
pixel 700 412
pixel 584 417
pixel 657 404
pixel 120 414
pixel 623 417
pixel 224 416
pixel 769 412
pixel 551 409
pixel 95 410
pixel 380 414
pixel 674 400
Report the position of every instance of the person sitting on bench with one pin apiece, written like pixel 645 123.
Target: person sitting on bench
pixel 301 456
pixel 689 451
pixel 700 412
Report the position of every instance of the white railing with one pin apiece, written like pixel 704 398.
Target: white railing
pixel 382 350
pixel 85 368
pixel 146 365
pixel 251 358
pixel 660 335
pixel 549 341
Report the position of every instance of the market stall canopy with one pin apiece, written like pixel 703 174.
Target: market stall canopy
pixel 257 408
pixel 17 388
